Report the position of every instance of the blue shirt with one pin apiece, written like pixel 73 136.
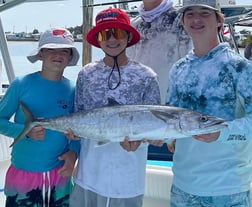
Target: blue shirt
pixel 45 99
pixel 218 84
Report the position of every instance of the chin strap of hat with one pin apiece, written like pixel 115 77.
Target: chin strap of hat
pixel 115 66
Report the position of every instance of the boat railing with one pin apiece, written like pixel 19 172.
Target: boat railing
pixel 5 149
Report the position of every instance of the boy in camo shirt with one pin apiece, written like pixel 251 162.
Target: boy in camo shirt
pixel 114 174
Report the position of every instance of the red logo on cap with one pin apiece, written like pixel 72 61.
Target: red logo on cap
pixel 59 32
pixel 106 17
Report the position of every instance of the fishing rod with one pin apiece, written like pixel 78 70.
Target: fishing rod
pixel 110 3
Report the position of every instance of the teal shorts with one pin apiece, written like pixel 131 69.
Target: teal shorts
pixel 85 198
pixel 180 198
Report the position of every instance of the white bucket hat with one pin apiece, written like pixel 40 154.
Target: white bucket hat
pixel 210 4
pixel 56 38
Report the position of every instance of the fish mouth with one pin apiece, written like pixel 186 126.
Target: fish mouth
pixel 209 121
pixel 214 126
pixel 208 128
pixel 217 122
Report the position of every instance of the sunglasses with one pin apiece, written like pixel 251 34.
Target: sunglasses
pixel 117 33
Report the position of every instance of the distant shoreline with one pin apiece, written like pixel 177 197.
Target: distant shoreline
pixel 30 40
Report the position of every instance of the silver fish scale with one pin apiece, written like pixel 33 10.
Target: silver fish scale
pixel 136 121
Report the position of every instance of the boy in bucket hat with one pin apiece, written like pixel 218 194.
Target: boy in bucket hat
pixel 215 80
pixel 55 39
pixel 113 174
pixel 41 162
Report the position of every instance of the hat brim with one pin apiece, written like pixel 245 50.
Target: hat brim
pixel 33 57
pixel 182 9
pixel 92 38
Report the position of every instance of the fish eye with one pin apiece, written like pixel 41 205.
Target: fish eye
pixel 203 118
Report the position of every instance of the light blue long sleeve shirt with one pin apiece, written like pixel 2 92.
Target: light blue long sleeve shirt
pixel 218 84
pixel 45 99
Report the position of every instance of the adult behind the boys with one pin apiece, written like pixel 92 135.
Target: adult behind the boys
pixel 163 39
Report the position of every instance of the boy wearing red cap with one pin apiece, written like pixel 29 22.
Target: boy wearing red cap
pixel 113 174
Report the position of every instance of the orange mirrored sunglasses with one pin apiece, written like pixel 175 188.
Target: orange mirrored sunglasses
pixel 117 33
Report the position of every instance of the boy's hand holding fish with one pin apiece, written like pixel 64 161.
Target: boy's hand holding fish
pixel 37 133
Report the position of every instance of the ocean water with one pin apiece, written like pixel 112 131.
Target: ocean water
pixel 19 50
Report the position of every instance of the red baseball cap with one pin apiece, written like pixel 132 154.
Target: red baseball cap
pixel 112 18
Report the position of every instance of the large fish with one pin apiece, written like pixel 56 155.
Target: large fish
pixel 113 123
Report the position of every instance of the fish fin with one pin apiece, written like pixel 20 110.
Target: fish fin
pixel 28 120
pixel 21 135
pixel 168 140
pixel 163 115
pixel 112 102
pixel 101 143
pixel 28 114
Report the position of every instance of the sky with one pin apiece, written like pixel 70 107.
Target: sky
pixel 43 15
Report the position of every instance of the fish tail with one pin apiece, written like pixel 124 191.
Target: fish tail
pixel 28 120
